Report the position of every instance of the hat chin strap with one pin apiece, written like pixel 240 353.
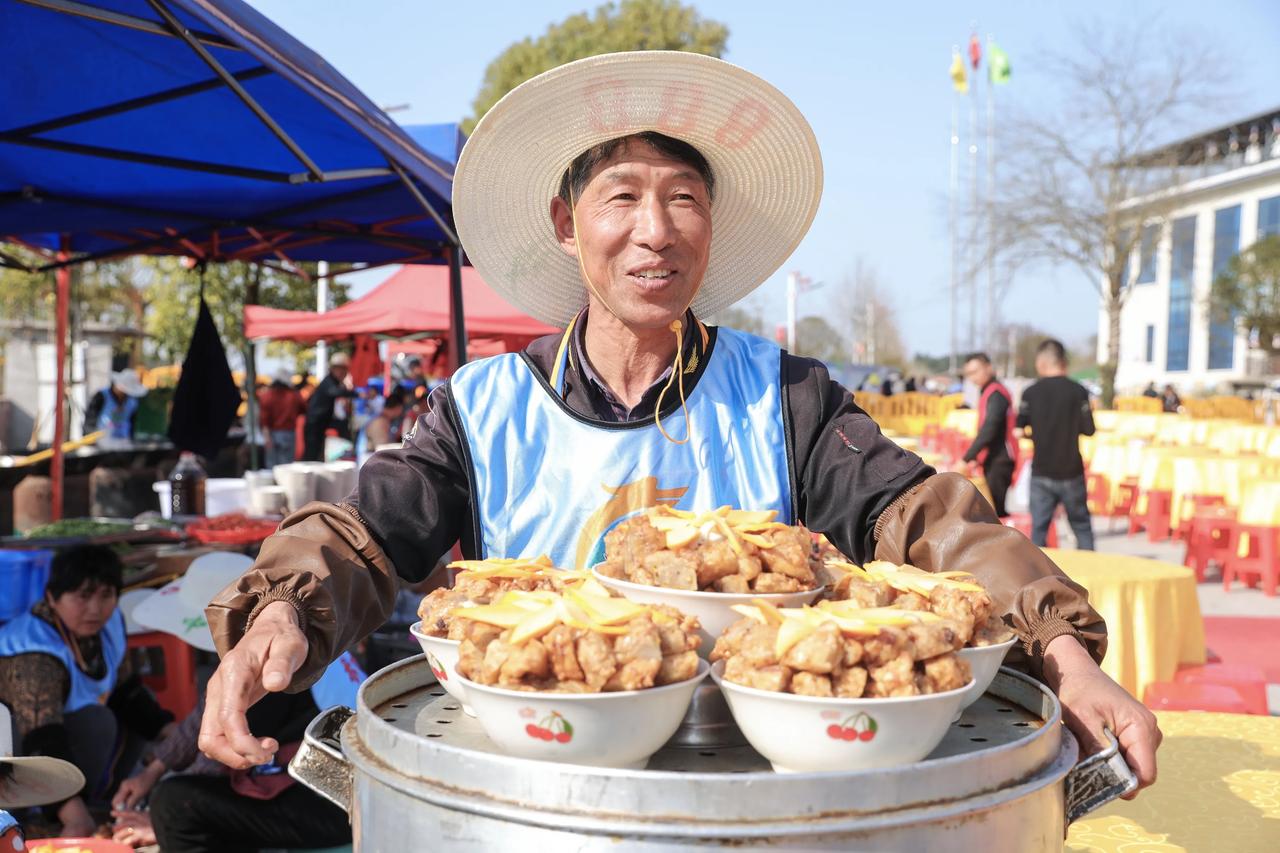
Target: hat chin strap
pixel 676 326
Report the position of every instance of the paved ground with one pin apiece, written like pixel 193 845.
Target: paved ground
pixel 1110 537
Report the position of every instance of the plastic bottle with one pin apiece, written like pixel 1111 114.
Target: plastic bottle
pixel 186 486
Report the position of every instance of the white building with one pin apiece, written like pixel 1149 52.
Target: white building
pixel 1227 196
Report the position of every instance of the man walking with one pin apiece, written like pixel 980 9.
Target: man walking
pixel 322 408
pixel 996 447
pixel 279 406
pixel 1057 410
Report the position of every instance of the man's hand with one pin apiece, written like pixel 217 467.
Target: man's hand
pixel 133 789
pixel 133 828
pixel 1091 700
pixel 263 661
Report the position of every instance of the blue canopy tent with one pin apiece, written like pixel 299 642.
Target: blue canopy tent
pixel 200 128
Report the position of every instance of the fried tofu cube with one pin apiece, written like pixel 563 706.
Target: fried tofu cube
pixel 850 683
pixel 808 684
pixel 945 672
pixel 673 569
pixel 773 582
pixel 775 678
pixel 818 653
pixel 678 667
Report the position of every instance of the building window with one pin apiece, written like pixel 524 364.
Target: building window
pixel 1178 345
pixel 1147 254
pixel 1222 330
pixel 1151 344
pixel 1268 217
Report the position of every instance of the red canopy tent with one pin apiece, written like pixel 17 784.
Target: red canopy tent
pixel 412 304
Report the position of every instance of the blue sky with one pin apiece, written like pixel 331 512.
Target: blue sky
pixel 871 78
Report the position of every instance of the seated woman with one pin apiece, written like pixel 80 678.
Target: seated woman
pixel 64 677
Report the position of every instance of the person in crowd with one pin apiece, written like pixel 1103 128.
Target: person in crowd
pixel 279 407
pixel 1150 390
pixel 209 809
pixel 64 677
pixel 1170 400
pixel 114 409
pixel 415 377
pixel 995 447
pixel 1057 411
pixel 327 407
pixel 383 428
pixel 886 387
pixel 910 386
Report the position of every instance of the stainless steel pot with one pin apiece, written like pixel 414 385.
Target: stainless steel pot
pixel 413 771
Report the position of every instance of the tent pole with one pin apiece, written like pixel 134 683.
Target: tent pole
pixel 457 318
pixel 63 300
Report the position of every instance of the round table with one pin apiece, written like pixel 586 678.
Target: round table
pixel 1218 789
pixel 1151 609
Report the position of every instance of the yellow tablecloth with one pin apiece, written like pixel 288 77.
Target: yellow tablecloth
pixel 1218 790
pixel 1151 609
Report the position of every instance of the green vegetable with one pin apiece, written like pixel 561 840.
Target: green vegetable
pixel 69 528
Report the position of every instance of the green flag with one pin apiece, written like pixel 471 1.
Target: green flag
pixel 997 63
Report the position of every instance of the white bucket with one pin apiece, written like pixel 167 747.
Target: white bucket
pixel 221 495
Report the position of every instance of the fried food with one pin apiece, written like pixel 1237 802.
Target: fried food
pixel 720 551
pixel 955 596
pixel 575 642
pixel 839 650
pixel 481 582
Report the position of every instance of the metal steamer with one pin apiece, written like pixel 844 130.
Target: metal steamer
pixel 412 769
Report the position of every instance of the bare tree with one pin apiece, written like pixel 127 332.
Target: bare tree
pixel 865 310
pixel 1082 176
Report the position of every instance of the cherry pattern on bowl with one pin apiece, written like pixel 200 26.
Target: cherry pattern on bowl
pixel 855 727
pixel 553 727
pixel 437 669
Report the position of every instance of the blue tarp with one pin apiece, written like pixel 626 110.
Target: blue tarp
pixel 115 131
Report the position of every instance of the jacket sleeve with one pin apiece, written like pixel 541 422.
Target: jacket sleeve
pixel 944 524
pixel 339 565
pixel 1086 416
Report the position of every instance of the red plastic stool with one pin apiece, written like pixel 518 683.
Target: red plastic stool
pixel 1261 560
pixel 175 682
pixel 1021 522
pixel 1209 540
pixel 931 439
pixel 1098 489
pixel 1199 503
pixel 1171 696
pixel 1155 517
pixel 1249 681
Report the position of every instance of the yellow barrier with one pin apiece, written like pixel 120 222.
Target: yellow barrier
pixel 907 413
pixel 1148 405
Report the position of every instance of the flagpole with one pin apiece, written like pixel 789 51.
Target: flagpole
pixel 954 187
pixel 991 193
pixel 973 207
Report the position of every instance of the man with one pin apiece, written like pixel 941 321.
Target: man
pixel 280 405
pixel 1058 413
pixel 415 377
pixel 995 447
pixel 1150 391
pixel 114 409
pixel 333 390
pixel 541 452
pixel 1170 401
pixel 382 428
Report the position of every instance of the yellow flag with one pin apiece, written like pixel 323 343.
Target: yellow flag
pixel 959 78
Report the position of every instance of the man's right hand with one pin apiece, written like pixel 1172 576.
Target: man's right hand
pixel 263 661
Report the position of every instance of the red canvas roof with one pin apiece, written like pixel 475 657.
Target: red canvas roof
pixel 412 301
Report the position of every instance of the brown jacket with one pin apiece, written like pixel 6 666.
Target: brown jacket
pixel 338 563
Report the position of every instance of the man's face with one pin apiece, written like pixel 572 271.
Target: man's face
pixel 644 232
pixel 339 371
pixel 977 372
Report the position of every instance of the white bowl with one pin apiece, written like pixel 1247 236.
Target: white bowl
pixel 619 729
pixel 807 734
pixel 442 655
pixel 985 662
pixel 712 609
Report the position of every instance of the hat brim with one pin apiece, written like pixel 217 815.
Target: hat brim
pixel 177 608
pixel 131 386
pixel 37 781
pixel 762 152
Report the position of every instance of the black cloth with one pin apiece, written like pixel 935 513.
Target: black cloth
pixel 992 432
pixel 320 416
pixel 416 500
pixel 1057 410
pixel 206 399
pixel 998 473
pixel 201 814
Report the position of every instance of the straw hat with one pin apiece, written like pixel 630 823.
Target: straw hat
pixel 127 381
pixel 32 780
pixel 178 607
pixel 762 152
pixel 339 359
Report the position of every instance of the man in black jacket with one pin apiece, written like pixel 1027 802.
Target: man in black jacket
pixel 321 405
pixel 1057 411
pixel 994 448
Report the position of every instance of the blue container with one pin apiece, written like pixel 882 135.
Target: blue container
pixel 23 575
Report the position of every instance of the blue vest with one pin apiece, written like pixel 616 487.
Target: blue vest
pixel 29 633
pixel 547 480
pixel 116 417
pixel 339 683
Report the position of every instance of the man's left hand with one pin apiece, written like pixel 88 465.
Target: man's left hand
pixel 1091 701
